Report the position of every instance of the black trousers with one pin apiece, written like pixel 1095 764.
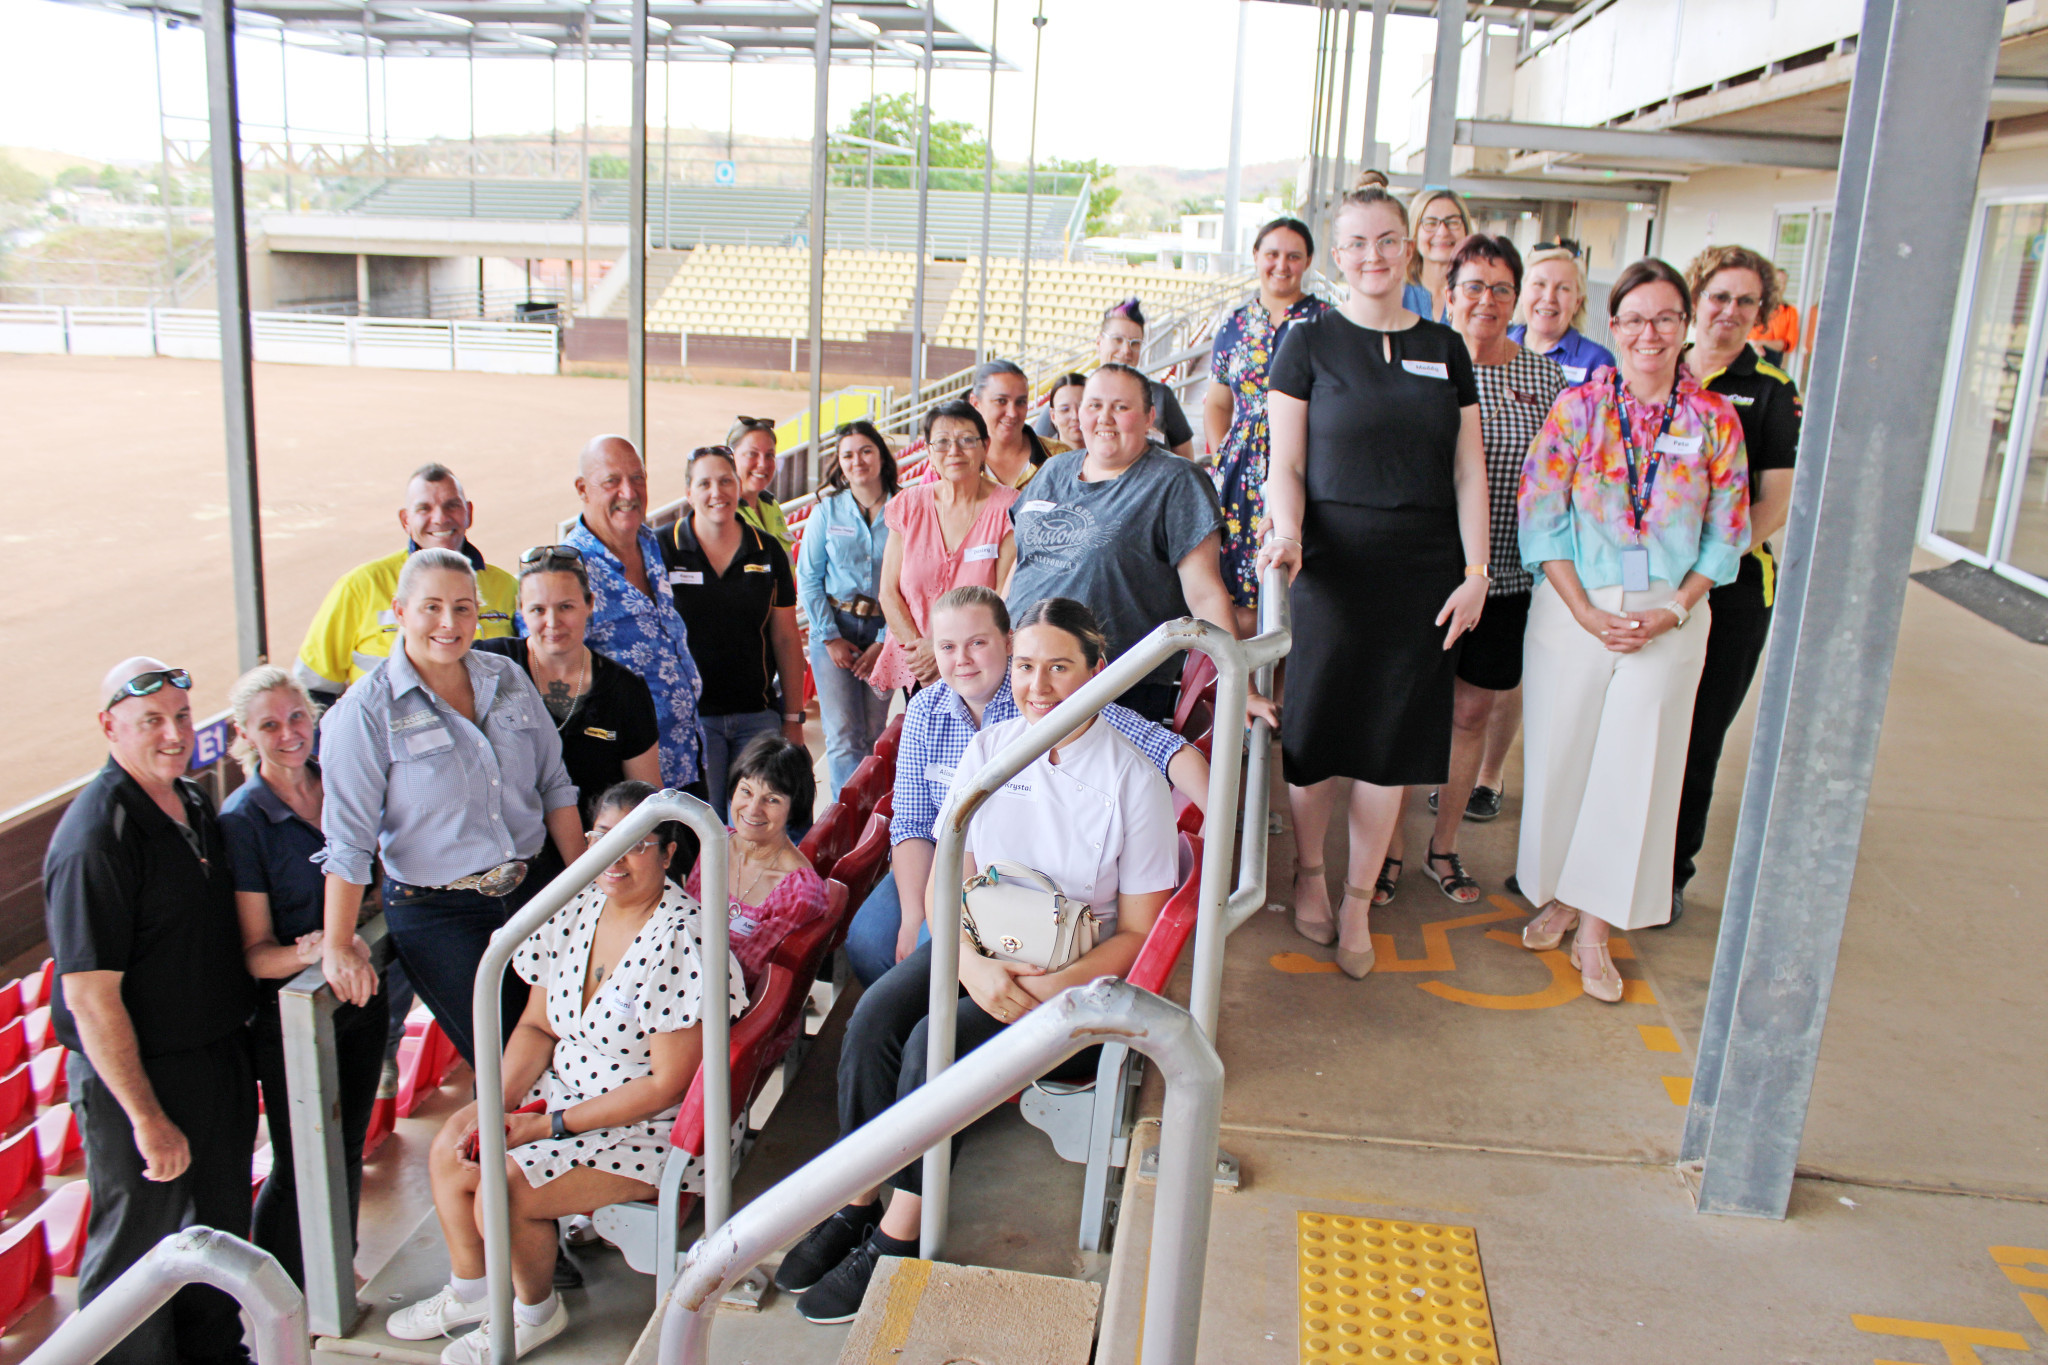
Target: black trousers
pixel 210 1093
pixel 882 1057
pixel 1742 623
pixel 359 1032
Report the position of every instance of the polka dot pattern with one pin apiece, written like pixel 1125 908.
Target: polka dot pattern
pixel 654 989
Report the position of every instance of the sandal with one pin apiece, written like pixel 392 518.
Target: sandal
pixel 1322 932
pixel 1389 881
pixel 1600 980
pixel 1540 940
pixel 1458 884
pixel 1357 965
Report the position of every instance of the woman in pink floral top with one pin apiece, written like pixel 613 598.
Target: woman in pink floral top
pixel 1634 503
pixel 775 891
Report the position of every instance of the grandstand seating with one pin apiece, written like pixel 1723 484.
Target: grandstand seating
pixel 17 1093
pixel 832 836
pixel 765 292
pixel 24 1272
pixel 1065 298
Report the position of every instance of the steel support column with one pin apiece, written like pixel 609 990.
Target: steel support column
pixel 636 243
pixel 924 195
pixel 1902 208
pixel 231 267
pixel 1443 92
pixel 988 185
pixel 1030 194
pixel 163 150
pixel 1338 181
pixel 1233 175
pixel 821 132
pixel 1369 135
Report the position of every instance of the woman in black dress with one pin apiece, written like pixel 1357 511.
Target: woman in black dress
pixel 1377 491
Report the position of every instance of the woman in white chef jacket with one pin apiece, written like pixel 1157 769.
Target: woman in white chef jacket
pixel 1095 816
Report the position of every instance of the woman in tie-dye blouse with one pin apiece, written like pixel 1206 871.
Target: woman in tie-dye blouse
pixel 1634 503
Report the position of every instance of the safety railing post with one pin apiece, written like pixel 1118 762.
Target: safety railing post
pixel 312 1079
pixel 1275 637
pixel 1104 1010
pixel 488 1015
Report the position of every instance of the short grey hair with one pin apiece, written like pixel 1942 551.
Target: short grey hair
pixel 989 369
pixel 428 561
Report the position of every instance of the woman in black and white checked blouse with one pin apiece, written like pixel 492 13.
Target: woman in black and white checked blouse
pixel 1516 389
pixel 610 1043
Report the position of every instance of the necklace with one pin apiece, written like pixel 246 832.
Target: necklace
pixel 559 696
pixel 753 880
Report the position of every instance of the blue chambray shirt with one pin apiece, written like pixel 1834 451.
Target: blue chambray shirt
pixel 410 779
pixel 841 556
pixel 937 727
pixel 647 635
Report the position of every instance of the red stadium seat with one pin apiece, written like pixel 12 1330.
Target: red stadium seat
pixel 425 1058
pixel 870 780
pixel 13 1045
pixel 867 863
pixel 10 1001
pixel 1197 685
pixel 804 951
pixel 18 1090
pixel 21 1166
pixel 829 839
pixel 1176 923
pixel 57 1138
pixel 886 807
pixel 63 1216
pixel 46 1075
pixel 37 1031
pixel 24 1272
pixel 259 1169
pixel 383 1122
pixel 1187 816
pixel 36 986
pixel 892 738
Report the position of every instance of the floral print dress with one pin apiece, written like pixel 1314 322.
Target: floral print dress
pixel 1245 346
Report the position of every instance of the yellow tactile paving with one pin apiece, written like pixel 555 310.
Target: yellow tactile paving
pixel 1378 1290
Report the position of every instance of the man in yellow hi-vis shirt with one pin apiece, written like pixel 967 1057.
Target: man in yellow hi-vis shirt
pixel 353 630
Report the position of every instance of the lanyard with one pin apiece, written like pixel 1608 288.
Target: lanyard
pixel 1639 488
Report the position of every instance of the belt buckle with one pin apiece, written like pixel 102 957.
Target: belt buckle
pixel 501 880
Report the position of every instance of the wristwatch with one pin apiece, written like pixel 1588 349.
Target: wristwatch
pixel 1484 571
pixel 793 719
pixel 558 1123
pixel 1677 608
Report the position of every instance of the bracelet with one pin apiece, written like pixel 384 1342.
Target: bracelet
pixel 1484 571
pixel 1678 609
pixel 1289 539
pixel 558 1124
pixel 796 719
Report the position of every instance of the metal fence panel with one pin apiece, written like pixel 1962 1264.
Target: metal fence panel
pixel 188 333
pixel 507 347
pixel 295 339
pixel 109 331
pixel 402 344
pixel 27 329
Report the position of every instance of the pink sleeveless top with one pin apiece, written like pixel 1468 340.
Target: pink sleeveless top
pixel 929 571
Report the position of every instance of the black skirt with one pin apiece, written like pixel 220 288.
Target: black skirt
pixel 1369 681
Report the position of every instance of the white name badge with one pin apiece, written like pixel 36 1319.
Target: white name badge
pixel 693 578
pixel 978 552
pixel 387 617
pixel 426 740
pixel 1575 373
pixel 839 531
pixel 938 772
pixel 1428 369
pixel 1667 444
pixel 1038 505
pixel 1635 568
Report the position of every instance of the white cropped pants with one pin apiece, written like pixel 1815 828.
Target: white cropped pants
pixel 1604 740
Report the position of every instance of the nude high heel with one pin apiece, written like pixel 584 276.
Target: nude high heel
pixel 1539 940
pixel 1322 932
pixel 1357 965
pixel 1600 980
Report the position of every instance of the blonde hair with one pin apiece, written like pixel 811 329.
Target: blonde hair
pixel 247 688
pixel 1422 200
pixel 1556 253
pixel 1716 259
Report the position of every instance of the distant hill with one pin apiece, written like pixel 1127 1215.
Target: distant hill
pixel 47 163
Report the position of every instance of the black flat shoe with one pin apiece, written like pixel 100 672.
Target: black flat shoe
pixel 825 1246
pixel 1677 909
pixel 1483 805
pixel 836 1298
pixel 1514 887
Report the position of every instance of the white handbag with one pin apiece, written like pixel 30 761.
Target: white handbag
pixel 1014 914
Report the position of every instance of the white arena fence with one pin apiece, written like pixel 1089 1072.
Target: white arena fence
pixel 285 338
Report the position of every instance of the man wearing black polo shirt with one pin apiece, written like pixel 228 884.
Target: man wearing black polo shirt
pixel 153 999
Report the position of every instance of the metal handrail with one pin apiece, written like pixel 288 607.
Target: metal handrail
pixel 197 1255
pixel 488 1009
pixel 1075 1018
pixel 1234 661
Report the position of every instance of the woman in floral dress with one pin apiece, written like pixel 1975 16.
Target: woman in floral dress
pixel 1234 412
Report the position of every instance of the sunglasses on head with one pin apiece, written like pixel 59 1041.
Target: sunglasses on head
pixel 149 684
pixel 551 555
pixel 756 423
pixel 702 451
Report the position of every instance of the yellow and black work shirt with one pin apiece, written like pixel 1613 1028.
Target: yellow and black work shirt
pixel 353 630
pixel 1766 402
pixel 728 615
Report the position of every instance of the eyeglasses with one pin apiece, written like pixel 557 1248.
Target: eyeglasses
pixel 1630 325
pixel 647 845
pixel 1380 247
pixel 946 445
pixel 149 684
pixel 701 451
pixel 1721 298
pixel 1426 226
pixel 552 556
pixel 1478 289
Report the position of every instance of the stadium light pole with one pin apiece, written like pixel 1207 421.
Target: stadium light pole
pixel 231 267
pixel 1030 195
pixel 636 243
pixel 1233 176
pixel 924 196
pixel 821 135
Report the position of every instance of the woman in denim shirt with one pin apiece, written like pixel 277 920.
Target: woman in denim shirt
pixel 838 579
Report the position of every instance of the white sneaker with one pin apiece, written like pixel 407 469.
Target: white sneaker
pixel 580 1230
pixel 475 1349
pixel 433 1317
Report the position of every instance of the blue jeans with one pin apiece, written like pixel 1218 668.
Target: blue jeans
pixel 441 936
pixel 853 714
pixel 871 939
pixel 724 737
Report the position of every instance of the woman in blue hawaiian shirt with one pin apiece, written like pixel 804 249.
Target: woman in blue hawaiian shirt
pixel 1234 410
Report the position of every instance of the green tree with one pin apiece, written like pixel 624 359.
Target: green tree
pixel 20 187
pixel 955 143
pixel 1102 190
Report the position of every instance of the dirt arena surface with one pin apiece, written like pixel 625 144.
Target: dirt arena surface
pixel 117 518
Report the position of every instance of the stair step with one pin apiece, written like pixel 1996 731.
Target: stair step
pixel 920 1312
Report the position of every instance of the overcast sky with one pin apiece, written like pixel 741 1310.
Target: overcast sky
pixel 1133 82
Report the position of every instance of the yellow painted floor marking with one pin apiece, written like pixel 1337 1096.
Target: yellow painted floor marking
pixel 1374 1290
pixel 1956 1340
pixel 1638 993
pixel 1563 988
pixel 1436 943
pixel 1679 1088
pixel 899 1311
pixel 1299 964
pixel 1657 1038
pixel 1620 949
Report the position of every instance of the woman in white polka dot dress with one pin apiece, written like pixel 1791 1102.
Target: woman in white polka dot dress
pixel 609 1044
